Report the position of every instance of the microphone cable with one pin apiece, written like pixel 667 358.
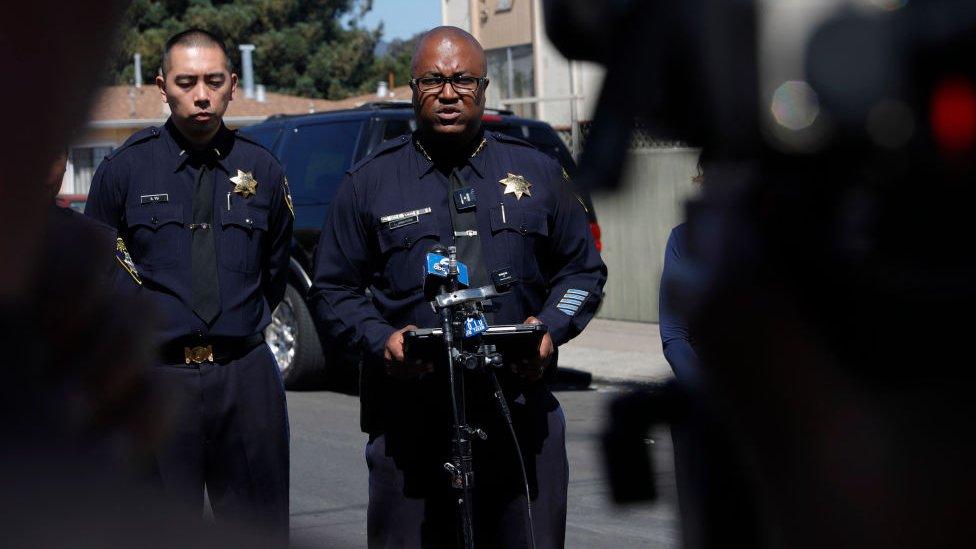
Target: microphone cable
pixel 507 414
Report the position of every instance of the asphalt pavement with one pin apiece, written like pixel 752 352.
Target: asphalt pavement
pixel 329 478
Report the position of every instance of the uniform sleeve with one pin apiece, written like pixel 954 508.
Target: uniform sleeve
pixel 277 248
pixel 338 294
pixel 574 269
pixel 675 335
pixel 106 201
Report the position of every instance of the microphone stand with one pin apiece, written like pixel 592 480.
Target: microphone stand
pixel 455 307
pixel 460 465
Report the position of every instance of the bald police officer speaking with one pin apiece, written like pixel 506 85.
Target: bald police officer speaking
pixel 390 210
pixel 206 216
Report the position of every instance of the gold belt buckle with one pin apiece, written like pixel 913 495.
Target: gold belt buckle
pixel 198 355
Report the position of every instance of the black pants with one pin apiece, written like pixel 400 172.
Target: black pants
pixel 411 503
pixel 229 432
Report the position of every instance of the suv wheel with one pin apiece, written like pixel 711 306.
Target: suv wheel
pixel 294 341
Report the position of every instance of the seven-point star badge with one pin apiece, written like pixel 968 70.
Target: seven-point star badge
pixel 245 184
pixel 517 185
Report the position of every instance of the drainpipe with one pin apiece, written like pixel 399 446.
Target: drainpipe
pixel 247 69
pixel 137 59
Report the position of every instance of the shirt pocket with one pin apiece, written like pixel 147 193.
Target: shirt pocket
pixel 243 231
pixel 156 234
pixel 404 251
pixel 521 236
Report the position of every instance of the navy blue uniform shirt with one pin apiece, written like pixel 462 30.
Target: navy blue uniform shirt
pixel 676 334
pixel 543 239
pixel 145 189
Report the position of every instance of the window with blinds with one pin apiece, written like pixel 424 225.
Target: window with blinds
pixel 84 161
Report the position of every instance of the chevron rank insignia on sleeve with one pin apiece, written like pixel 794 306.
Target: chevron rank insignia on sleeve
pixel 572 301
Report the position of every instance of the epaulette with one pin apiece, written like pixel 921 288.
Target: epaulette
pixel 505 138
pixel 383 148
pixel 140 136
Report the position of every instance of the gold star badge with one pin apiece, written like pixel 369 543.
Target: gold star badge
pixel 517 185
pixel 244 184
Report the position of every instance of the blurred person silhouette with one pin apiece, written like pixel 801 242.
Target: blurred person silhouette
pixel 77 412
pixel 74 404
pixel 68 230
pixel 828 261
pixel 715 502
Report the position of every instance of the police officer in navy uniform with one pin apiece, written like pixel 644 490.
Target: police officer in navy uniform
pixel 391 209
pixel 207 220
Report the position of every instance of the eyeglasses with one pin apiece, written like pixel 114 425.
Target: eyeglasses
pixel 460 83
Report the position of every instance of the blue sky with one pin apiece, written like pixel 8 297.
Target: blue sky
pixel 404 18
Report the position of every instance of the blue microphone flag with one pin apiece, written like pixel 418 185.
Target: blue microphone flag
pixel 475 325
pixel 439 265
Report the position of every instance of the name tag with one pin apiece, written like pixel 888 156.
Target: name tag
pixel 153 198
pixel 414 215
pixel 404 222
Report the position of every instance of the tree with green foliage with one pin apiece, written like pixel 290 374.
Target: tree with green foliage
pixel 396 60
pixel 313 48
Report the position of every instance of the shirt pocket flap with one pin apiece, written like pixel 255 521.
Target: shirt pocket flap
pixel 520 221
pixel 154 216
pixel 246 218
pixel 406 236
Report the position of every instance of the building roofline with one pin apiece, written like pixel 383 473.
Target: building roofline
pixel 128 123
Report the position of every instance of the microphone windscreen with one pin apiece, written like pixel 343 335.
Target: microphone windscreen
pixel 439 249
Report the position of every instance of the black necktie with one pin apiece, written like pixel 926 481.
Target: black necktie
pixel 203 254
pixel 466 237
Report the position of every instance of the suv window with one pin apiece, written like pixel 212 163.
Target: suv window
pixel 384 130
pixel 546 139
pixel 315 159
pixel 396 128
pixel 266 137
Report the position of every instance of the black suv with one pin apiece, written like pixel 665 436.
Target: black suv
pixel 316 150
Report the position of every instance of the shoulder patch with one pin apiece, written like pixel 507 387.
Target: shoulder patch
pixel 140 136
pixel 505 138
pixel 383 148
pixel 125 261
pixel 288 200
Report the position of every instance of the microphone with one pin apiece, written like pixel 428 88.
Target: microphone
pixel 437 272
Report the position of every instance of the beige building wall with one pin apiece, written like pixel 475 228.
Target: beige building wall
pixel 456 13
pixel 635 221
pixel 496 27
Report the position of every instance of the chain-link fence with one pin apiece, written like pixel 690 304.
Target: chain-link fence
pixel 642 137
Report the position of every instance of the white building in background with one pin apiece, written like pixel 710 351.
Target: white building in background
pixel 527 74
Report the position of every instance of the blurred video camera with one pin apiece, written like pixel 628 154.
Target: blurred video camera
pixel 831 248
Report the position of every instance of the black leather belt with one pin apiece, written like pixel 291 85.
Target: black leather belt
pixel 192 351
